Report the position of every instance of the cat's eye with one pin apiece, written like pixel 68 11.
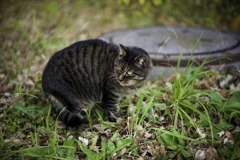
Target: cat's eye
pixel 122 53
pixel 129 73
pixel 120 56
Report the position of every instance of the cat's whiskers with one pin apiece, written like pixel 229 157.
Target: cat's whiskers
pixel 112 76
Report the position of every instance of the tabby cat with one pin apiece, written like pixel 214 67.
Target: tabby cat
pixel 91 71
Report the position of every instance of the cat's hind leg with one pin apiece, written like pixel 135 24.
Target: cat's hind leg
pixel 71 116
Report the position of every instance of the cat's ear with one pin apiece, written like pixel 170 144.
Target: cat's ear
pixel 141 60
pixel 122 52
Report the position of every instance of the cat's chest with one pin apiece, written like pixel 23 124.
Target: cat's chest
pixel 123 90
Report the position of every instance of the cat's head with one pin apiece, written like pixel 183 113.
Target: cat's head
pixel 132 66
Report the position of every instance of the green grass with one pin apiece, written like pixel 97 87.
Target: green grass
pixel 165 119
pixel 186 108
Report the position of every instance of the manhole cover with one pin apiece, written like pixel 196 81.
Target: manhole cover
pixel 165 44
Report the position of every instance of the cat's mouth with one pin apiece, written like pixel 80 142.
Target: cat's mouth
pixel 128 83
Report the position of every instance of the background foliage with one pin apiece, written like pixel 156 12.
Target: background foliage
pixel 40 27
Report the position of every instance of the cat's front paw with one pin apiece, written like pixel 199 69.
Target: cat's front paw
pixel 112 116
pixel 83 116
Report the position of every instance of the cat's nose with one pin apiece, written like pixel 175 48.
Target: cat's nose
pixel 120 78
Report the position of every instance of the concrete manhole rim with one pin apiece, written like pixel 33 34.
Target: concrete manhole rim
pixel 225 55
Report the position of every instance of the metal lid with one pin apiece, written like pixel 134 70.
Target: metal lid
pixel 165 44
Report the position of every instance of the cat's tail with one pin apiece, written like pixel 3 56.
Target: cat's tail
pixel 67 117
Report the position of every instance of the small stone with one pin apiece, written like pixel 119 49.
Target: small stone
pixel 16 140
pixel 229 135
pixel 148 135
pixel 2 76
pixel 232 87
pixel 7 94
pixel 224 82
pixel 29 83
pixel 168 85
pixel 119 120
pixel 162 118
pixel 122 151
pixel 225 140
pixel 231 141
pixel 220 134
pixel 83 140
pixel 211 154
pixel 94 148
pixel 22 136
pixel 237 129
pixel 200 132
pixel 138 128
pixel 200 155
pixel 131 108
pixel 162 127
pixel 7 140
pixel 238 86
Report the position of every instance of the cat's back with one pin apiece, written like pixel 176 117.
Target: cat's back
pixel 83 53
pixel 86 48
pixel 82 61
